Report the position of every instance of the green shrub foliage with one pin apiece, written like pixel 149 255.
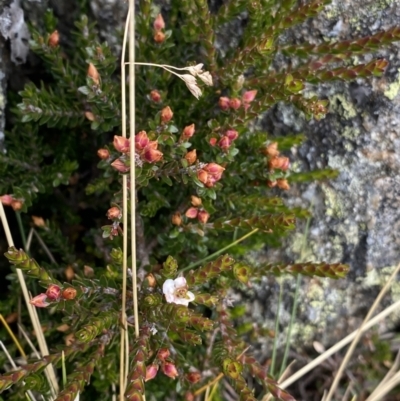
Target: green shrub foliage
pixel 206 175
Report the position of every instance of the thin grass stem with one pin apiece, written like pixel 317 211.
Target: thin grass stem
pixel 15 339
pixel 215 254
pixel 276 338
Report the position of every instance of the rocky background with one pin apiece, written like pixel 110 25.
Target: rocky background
pixel 356 218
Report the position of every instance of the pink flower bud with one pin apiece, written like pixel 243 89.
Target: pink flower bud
pixel 223 103
pixel 176 219
pixel 114 213
pixel 53 292
pixel 159 37
pixel 224 143
pixel 54 38
pixel 272 150
pixel 235 103
pixel 202 175
pixel 103 154
pixel 93 73
pixel 215 170
pixel 195 201
pixel 191 213
pixel 39 301
pixel 283 184
pixel 191 156
pixel 166 114
pixel 155 96
pixel 169 369
pixel 159 23
pixel 231 134
pixel 163 354
pixel 151 372
pixel 6 200
pixel 280 163
pixel 203 216
pixel 16 204
pixel 249 96
pixel 188 131
pixel 120 166
pixel 271 184
pixel 213 141
pixel 152 155
pixel 141 140
pixel 121 144
pixel 69 293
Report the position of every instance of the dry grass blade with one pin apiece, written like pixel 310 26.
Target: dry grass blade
pixel 31 310
pixel 16 342
pixel 359 333
pixel 335 348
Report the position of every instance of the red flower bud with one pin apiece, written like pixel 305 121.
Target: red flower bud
pixel 120 166
pixel 53 292
pixel 224 143
pixel 191 213
pixel 54 38
pixel 121 144
pixel 93 74
pixel 163 354
pixel 193 377
pixel 169 369
pixel 249 96
pixel 114 213
pixel 202 175
pixel 213 141
pixel 141 140
pixel 188 131
pixel 191 156
pixel 6 200
pixel 166 114
pixel 235 103
pixel 69 293
pixel 159 37
pixel 203 216
pixel 176 219
pixel 223 103
pixel 16 204
pixel 39 301
pixel 155 96
pixel 151 372
pixel 231 134
pixel 272 184
pixel 103 154
pixel 159 23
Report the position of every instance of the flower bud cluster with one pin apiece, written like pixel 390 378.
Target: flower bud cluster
pixel 196 211
pixel 167 365
pixel 210 174
pixel 226 103
pixel 226 140
pixel 53 294
pixel 9 200
pixel 277 162
pixel 159 26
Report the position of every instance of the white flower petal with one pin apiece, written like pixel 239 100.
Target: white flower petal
pixel 190 296
pixel 181 301
pixel 180 282
pixel 195 70
pixel 189 79
pixel 168 287
pixel 206 78
pixel 194 90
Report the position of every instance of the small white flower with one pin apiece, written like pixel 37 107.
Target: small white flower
pixel 194 90
pixel 206 78
pixel 189 79
pixel 195 70
pixel 176 292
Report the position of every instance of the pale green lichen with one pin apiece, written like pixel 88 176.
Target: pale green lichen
pixel 351 132
pixel 339 104
pixel 393 88
pixel 334 207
